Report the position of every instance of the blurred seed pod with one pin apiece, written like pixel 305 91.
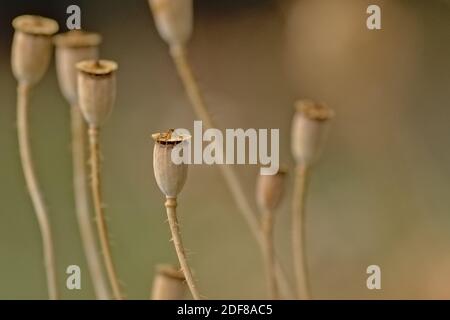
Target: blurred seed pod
pixel 72 47
pixel 169 283
pixel 170 177
pixel 96 89
pixel 173 19
pixel 309 131
pixel 32 47
pixel 270 190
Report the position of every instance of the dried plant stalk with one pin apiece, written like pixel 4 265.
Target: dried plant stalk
pixel 102 226
pixel 192 89
pixel 87 230
pixel 171 205
pixel 30 57
pixel 298 233
pixel 96 97
pixel 23 92
pixel 269 255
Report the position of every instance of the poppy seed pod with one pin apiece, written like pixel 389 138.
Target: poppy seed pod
pixel 72 47
pixel 269 190
pixel 32 47
pixel 309 131
pixel 96 89
pixel 170 177
pixel 173 19
pixel 169 283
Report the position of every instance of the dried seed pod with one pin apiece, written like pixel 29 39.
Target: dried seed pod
pixel 32 47
pixel 269 190
pixel 170 177
pixel 169 283
pixel 96 89
pixel 173 19
pixel 309 131
pixel 72 47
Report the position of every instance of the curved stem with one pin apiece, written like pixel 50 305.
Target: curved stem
pixel 298 232
pixel 269 255
pixel 171 208
pixel 196 99
pixel 23 92
pixel 81 194
pixel 191 86
pixel 102 227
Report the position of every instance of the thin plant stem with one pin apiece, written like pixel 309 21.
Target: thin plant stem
pixel 102 227
pixel 171 208
pixel 194 94
pixel 81 194
pixel 269 255
pixel 298 232
pixel 23 92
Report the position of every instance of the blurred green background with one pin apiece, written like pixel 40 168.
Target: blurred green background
pixel 380 195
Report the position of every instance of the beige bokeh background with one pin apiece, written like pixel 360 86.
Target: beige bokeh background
pixel 379 195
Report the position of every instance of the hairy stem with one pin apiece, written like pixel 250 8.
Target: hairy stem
pixel 23 92
pixel 298 232
pixel 171 208
pixel 81 194
pixel 194 94
pixel 102 227
pixel 269 255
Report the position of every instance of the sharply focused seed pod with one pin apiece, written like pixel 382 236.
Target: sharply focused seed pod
pixel 72 47
pixel 96 96
pixel 32 47
pixel 173 19
pixel 96 89
pixel 170 177
pixel 269 190
pixel 169 283
pixel 309 131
